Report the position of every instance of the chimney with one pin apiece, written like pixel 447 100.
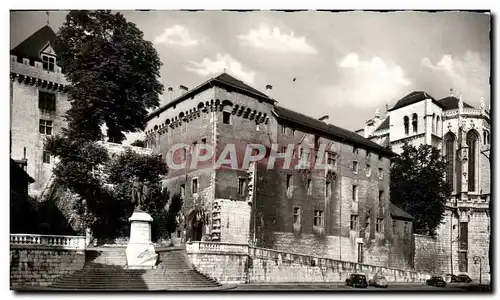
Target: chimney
pixel 170 93
pixel 269 91
pixel 324 118
pixel 183 89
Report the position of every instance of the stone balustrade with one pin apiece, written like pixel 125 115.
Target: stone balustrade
pixel 216 247
pixel 51 241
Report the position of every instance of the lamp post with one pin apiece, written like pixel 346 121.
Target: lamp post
pixel 477 260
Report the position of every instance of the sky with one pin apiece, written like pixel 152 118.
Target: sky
pixel 345 64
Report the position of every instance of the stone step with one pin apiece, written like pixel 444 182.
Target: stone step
pixel 172 273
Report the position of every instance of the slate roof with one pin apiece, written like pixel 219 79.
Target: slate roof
pixel 413 97
pixel 31 47
pixel 399 213
pixel 451 102
pixel 328 129
pixel 224 80
pixel 384 125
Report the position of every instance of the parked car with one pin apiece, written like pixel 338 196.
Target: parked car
pixel 357 280
pixel 436 281
pixel 464 278
pixel 378 280
pixel 449 278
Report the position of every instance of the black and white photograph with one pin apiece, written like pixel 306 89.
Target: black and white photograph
pixel 259 150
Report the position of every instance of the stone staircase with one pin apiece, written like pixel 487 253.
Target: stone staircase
pixel 106 270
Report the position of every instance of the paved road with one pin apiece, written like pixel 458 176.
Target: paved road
pixel 342 287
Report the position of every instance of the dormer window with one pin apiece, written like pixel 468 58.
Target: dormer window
pixel 49 62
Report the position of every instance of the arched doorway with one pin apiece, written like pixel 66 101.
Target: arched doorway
pixel 195 224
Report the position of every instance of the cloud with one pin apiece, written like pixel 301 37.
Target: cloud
pixel 273 40
pixel 176 35
pixel 367 83
pixel 222 62
pixel 468 75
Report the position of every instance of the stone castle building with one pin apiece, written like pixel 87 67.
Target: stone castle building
pixel 37 104
pixel 462 132
pixel 342 212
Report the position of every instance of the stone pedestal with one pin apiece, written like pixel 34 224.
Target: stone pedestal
pixel 140 250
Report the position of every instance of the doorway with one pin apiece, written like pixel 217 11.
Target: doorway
pixel 195 225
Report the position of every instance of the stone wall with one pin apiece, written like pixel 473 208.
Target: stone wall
pixel 241 263
pixel 226 268
pixel 26 115
pixel 40 266
pixel 441 254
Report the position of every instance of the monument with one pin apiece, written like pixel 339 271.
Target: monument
pixel 140 250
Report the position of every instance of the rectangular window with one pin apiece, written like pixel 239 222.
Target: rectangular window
pixel 45 127
pixel 309 186
pixel 296 215
pixel 354 222
pixel 380 173
pixel 328 188
pixel 462 261
pixel 379 157
pixel 318 218
pixel 406 226
pixel 355 167
pixel 194 186
pixel 355 193
pixel 293 132
pixel 378 225
pixel 46 157
pixel 393 224
pixel 380 196
pixel 49 63
pixel 289 183
pixel 368 170
pixel 464 236
pixel 283 150
pixel 241 186
pixel 46 101
pixel 331 161
pixel 355 150
pixel 183 190
pixel 226 117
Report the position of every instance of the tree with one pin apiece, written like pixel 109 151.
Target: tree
pixel 103 183
pixel 113 74
pixel 138 143
pixel 418 186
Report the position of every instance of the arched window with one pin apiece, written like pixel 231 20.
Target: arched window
pixel 414 123
pixel 449 148
pixel 433 123
pixel 472 138
pixel 406 122
pixel 438 127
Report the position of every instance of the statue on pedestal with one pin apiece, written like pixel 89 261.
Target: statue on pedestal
pixel 137 193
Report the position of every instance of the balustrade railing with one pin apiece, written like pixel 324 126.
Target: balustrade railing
pixel 195 247
pixel 56 241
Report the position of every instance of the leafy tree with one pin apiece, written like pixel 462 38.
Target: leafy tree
pixel 418 186
pixel 138 143
pixel 113 74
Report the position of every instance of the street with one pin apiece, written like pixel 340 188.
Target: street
pixel 453 287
